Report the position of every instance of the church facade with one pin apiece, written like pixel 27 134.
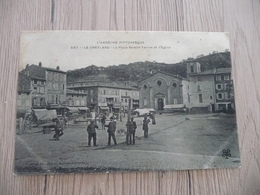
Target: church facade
pixel 160 89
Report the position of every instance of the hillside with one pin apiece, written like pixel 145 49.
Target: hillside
pixel 138 70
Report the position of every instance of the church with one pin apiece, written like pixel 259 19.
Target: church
pixel 160 89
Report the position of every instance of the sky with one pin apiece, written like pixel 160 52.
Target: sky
pixel 78 49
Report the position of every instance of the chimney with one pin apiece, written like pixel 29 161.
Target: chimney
pixel 27 65
pixel 58 68
pixel 40 64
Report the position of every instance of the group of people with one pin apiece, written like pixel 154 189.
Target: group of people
pixel 111 129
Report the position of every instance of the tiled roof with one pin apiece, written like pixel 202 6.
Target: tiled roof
pixel 38 72
pixel 35 72
pixel 54 70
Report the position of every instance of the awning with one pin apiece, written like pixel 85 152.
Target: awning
pixel 23 111
pixel 83 108
pixel 43 114
pixel 144 111
pixel 104 107
pixel 73 109
pixel 174 106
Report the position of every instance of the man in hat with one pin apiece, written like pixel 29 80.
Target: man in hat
pixel 111 128
pixel 91 129
pixel 131 125
pixel 146 121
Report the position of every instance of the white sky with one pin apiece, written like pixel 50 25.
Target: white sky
pixel 54 48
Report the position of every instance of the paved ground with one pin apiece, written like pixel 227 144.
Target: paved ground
pixel 175 142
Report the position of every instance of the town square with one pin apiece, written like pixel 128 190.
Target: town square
pixel 176 141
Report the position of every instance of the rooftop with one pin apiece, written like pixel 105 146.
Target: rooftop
pixel 213 71
pixel 70 91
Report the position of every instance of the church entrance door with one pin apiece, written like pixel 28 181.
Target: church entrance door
pixel 160 103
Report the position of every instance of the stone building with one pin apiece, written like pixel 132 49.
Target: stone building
pixel 76 98
pixel 106 96
pixel 211 90
pixel 160 89
pixel 48 85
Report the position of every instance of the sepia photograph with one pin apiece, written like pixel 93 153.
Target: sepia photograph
pixel 114 101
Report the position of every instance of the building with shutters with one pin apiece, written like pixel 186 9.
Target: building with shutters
pixel 48 85
pixel 107 96
pixel 212 90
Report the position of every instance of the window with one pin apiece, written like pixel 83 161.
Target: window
pixel 145 86
pixel 218 78
pixel 198 89
pixel 199 79
pixel 42 102
pixel 174 85
pixel 42 82
pixel 122 100
pixel 35 82
pixel 220 96
pixel 191 68
pixel 159 83
pixel 226 77
pixel 42 90
pixel 219 86
pixel 35 89
pixel 227 95
pixel 125 100
pixel 210 97
pixel 200 98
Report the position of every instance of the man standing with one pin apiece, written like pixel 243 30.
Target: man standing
pixel 58 130
pixel 111 128
pixel 91 129
pixel 145 126
pixel 103 121
pixel 131 125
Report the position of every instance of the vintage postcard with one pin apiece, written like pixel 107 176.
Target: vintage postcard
pixel 124 101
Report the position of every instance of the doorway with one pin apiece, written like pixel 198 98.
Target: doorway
pixel 160 103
